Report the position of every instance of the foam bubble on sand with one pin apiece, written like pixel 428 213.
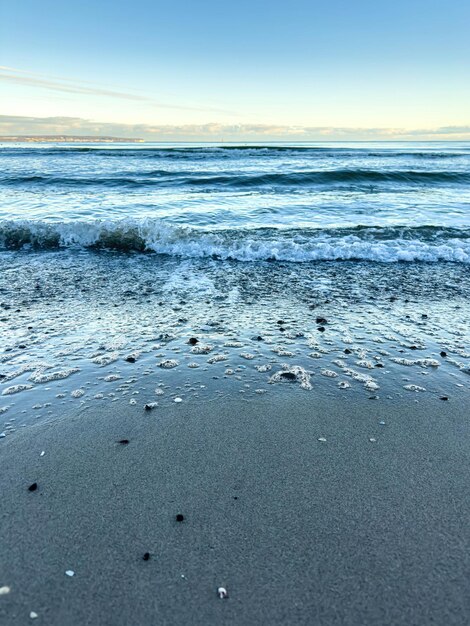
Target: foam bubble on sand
pixel 427 362
pixel 370 385
pixel 202 349
pixel 365 364
pixel 15 389
pixel 279 350
pixel 27 367
pixel 41 377
pixel 263 368
pixel 78 393
pixel 159 392
pixel 4 409
pixel 247 355
pixel 106 359
pixel 217 358
pixel 233 344
pixel 292 373
pixel 111 378
pixel 343 384
pixel 193 365
pixel 329 373
pixel 315 355
pixel 414 388
pixel 168 364
pixel 400 361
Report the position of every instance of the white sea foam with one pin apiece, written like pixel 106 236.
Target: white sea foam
pixel 275 244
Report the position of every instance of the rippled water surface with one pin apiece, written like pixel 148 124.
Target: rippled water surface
pixel 303 202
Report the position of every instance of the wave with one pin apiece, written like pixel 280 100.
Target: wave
pixel 387 244
pixel 165 178
pixel 228 151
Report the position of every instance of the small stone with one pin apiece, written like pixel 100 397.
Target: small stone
pixel 372 439
pixel 42 453
pixel 382 423
pixel 443 353
pixel 322 439
pixel 444 398
pixel 150 405
pixel 179 517
pixel 123 442
pixel 288 376
pixel 178 400
pixel 33 615
pixel 4 590
pixel 321 329
pixel 192 341
pixel 130 359
pixel 70 572
pixel 347 351
pixel 33 487
pixel 321 320
pixel 146 556
pixel 222 593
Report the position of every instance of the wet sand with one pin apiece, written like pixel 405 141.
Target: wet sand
pixel 367 527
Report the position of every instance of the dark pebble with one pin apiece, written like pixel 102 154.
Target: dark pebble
pixel 379 365
pixel 147 407
pixel 443 353
pixel 288 376
pixel 321 329
pixel 180 518
pixel 424 316
pixel 130 359
pixel 347 351
pixel 146 556
pixel 443 398
pixel 413 347
pixel 280 322
pixel 124 442
pixel 33 487
pixel 193 341
pixel 321 320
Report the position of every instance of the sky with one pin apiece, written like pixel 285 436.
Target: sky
pixel 250 69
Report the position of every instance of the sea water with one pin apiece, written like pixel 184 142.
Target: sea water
pixel 112 256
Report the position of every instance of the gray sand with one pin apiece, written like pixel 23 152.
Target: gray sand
pixel 299 531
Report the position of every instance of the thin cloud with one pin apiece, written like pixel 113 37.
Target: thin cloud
pixel 22 77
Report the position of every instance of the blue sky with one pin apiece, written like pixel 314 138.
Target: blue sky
pixel 356 69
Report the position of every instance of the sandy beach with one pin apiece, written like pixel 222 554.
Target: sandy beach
pixel 307 509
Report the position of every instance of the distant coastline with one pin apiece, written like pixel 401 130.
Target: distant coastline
pixel 66 139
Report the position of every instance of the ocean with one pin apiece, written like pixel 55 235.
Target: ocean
pixel 297 203
pixel 349 260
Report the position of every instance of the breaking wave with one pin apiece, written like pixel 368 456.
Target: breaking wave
pixel 386 244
